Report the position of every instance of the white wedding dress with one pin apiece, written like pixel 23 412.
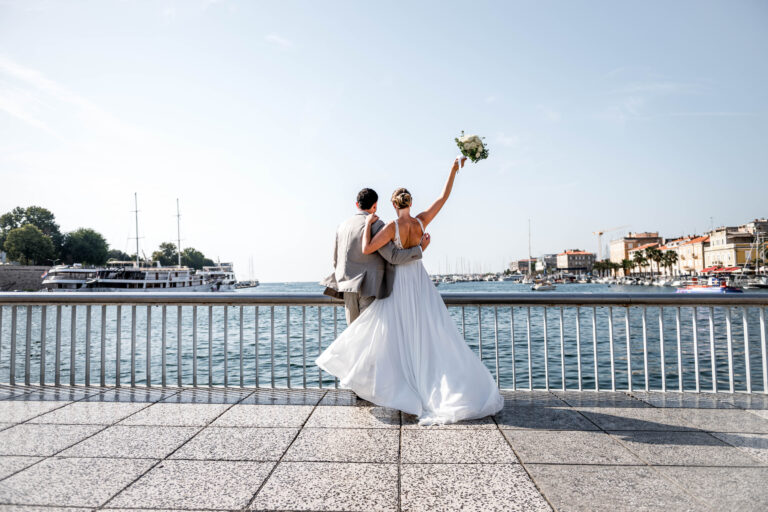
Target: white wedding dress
pixel 405 352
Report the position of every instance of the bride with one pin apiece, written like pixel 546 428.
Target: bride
pixel 405 351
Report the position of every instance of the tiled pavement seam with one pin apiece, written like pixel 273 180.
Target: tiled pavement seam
pixel 68 402
pixel 269 475
pixel 160 461
pixel 646 462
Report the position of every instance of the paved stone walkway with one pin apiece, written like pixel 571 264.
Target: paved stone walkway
pixel 105 448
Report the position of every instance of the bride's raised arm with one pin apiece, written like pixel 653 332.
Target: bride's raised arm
pixel 430 213
pixel 382 238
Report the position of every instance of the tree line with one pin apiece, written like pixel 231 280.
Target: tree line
pixel 31 236
pixel 641 259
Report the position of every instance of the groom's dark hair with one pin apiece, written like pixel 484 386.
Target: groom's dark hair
pixel 366 198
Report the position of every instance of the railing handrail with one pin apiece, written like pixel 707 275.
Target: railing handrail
pixel 451 299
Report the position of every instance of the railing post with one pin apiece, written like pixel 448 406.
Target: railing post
pixel 72 344
pixel 12 361
pixel 712 348
pixel 546 350
pixel 645 347
pixel 679 351
pixel 194 346
pixel 629 350
pixel 149 346
pixel 578 345
pixel 43 335
pixel 118 339
pixel 256 342
pixel 594 347
pixel 530 364
pixel 88 345
pixel 610 342
pixel 133 346
pixel 661 349
pixel 496 340
pixel 288 345
pixel 763 350
pixel 512 336
pixel 103 347
pixel 164 348
pixel 226 345
pixel 242 377
pixel 179 375
pixel 746 349
pixel 304 347
pixel 695 320
pixel 28 346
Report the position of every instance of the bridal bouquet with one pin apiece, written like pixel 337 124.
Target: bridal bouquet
pixel 472 147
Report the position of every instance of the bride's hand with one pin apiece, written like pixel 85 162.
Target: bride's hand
pixel 371 219
pixel 456 163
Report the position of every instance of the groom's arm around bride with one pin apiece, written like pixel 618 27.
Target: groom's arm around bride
pixel 360 278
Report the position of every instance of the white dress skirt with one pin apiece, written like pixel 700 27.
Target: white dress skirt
pixel 405 352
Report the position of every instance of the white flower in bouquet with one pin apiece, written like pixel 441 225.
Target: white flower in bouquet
pixel 472 147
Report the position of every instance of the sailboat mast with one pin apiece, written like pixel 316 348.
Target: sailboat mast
pixel 136 211
pixel 530 269
pixel 178 231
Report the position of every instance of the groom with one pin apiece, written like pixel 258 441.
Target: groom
pixel 361 278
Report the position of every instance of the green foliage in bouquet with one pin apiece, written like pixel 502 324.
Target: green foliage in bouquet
pixel 472 147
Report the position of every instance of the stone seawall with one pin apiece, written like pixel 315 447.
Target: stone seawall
pixel 21 277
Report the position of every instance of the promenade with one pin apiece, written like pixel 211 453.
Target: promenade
pixel 109 448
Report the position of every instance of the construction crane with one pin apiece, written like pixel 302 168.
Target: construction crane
pixel 600 239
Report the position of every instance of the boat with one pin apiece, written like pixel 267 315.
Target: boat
pixel 220 277
pixel 250 283
pixel 121 276
pixel 543 286
pixel 713 285
pixel 67 278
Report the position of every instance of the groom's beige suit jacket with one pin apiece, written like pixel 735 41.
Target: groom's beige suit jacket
pixel 370 275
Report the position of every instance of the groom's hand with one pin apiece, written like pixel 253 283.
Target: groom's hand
pixel 425 242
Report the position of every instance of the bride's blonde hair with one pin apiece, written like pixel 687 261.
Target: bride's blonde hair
pixel 401 198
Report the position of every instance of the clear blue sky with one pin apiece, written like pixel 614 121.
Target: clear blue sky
pixel 265 118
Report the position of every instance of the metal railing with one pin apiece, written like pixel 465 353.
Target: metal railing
pixel 600 341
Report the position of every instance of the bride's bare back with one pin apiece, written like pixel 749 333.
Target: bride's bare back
pixel 411 230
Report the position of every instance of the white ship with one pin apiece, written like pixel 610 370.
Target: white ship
pixel 221 277
pixel 124 276
pixel 67 278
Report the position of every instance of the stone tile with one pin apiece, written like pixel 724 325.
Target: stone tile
pixel 754 444
pixel 91 413
pixel 532 398
pixel 10 464
pixel 537 417
pixel 761 414
pixel 134 395
pixel 192 415
pixel 71 482
pixel 344 397
pixel 329 486
pixel 609 488
pixel 455 446
pixel 599 399
pixel 683 449
pixel 234 443
pixel 741 489
pixel 748 401
pixel 354 417
pixel 727 420
pixel 345 445
pixel 58 394
pixel 183 484
pixel 411 422
pixel 469 487
pixel 632 418
pixel 569 447
pixel 264 416
pixel 34 439
pixel 207 396
pixel 685 400
pixel 33 508
pixel 285 397
pixel 14 411
pixel 132 441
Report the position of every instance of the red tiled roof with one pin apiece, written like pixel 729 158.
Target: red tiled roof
pixel 573 252
pixel 698 239
pixel 645 246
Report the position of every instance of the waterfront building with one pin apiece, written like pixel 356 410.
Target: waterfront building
pixel 524 266
pixel 620 248
pixel 546 263
pixel 755 227
pixel 729 247
pixel 674 246
pixel 650 266
pixel 576 261
pixel 690 255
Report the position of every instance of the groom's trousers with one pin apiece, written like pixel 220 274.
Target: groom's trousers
pixel 354 305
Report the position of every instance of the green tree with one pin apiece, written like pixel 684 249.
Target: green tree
pixel 627 266
pixel 118 255
pixel 193 258
pixel 38 216
pixel 29 246
pixel 166 254
pixel 670 259
pixel 86 246
pixel 598 267
pixel 639 260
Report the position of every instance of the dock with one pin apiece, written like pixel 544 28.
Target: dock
pixel 87 448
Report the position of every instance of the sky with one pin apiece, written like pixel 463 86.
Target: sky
pixel 265 119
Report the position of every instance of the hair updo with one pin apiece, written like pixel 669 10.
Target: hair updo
pixel 401 198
